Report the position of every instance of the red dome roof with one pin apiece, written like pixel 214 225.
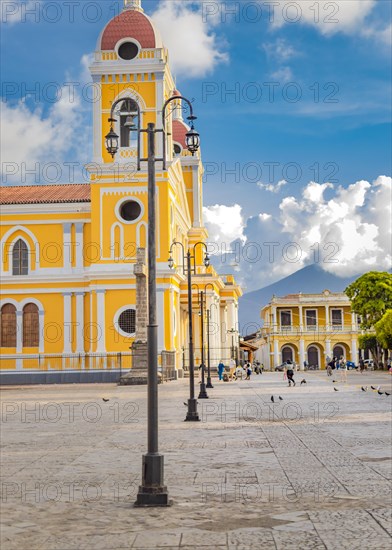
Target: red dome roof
pixel 132 24
pixel 180 129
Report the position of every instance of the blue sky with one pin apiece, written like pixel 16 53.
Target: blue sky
pixel 336 133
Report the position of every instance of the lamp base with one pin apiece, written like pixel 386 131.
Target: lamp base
pixel 209 383
pixel 203 393
pixel 192 414
pixel 152 492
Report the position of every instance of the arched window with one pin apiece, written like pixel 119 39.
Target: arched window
pixel 338 351
pixel 20 258
pixel 30 326
pixel 8 326
pixel 128 113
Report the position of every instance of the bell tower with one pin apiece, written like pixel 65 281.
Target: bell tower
pixel 130 63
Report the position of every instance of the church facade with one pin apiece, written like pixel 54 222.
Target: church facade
pixel 69 251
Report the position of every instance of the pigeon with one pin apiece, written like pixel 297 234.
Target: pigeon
pixel 364 389
pixel 373 388
pixel 272 399
pixel 335 389
pixel 186 404
pixel 378 388
pixel 380 392
pixel 303 381
pixel 388 394
pixel 334 381
pixel 105 400
pixel 280 398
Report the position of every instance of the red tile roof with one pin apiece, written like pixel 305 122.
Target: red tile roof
pixel 45 194
pixel 180 130
pixel 132 24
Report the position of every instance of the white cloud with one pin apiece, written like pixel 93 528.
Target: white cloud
pixel 280 50
pixel 30 137
pixel 328 17
pixel 224 223
pixel 346 232
pixel 284 74
pixel 271 187
pixel 194 49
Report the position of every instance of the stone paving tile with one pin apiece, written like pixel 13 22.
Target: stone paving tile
pixel 157 539
pixel 384 517
pixel 244 539
pixel 304 540
pixel 349 539
pixel 203 538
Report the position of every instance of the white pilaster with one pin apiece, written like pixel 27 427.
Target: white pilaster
pixel 41 341
pixel 79 322
pixel 67 334
pixel 161 319
pixel 328 350
pixel 327 317
pixel 19 331
pixel 67 264
pixel 79 245
pixel 101 333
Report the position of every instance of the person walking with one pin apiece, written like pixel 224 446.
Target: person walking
pixel 221 368
pixel 290 376
pixel 361 365
pixel 232 366
pixel 343 369
pixel 248 371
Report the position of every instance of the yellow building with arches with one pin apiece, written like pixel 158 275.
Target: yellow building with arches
pixel 68 251
pixel 308 328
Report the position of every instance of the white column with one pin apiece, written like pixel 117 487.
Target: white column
pixel 79 322
pixel 353 322
pixel 274 320
pixel 328 351
pixel 354 351
pixel 301 354
pixel 92 333
pixel 301 319
pixel 41 342
pixel 101 336
pixel 276 354
pixel 79 245
pixel 19 331
pixel 67 334
pixel 196 197
pixel 161 319
pixel 67 246
pixel 326 317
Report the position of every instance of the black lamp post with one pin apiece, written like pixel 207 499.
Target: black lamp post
pixel 202 296
pixel 209 382
pixel 152 491
pixel 192 414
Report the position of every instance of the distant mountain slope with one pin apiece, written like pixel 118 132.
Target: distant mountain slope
pixel 310 279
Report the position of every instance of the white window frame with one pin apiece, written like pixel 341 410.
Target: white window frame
pixel 306 321
pixel 341 317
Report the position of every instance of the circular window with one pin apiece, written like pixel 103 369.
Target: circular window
pixel 127 321
pixel 177 149
pixel 128 51
pixel 130 211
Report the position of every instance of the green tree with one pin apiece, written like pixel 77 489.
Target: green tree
pixel 369 342
pixel 384 330
pixel 371 296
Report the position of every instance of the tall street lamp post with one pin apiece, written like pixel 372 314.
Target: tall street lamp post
pixel 152 491
pixel 202 298
pixel 192 414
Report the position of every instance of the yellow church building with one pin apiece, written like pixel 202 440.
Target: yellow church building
pixel 68 252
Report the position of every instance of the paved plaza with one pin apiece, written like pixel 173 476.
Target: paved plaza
pixel 310 471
